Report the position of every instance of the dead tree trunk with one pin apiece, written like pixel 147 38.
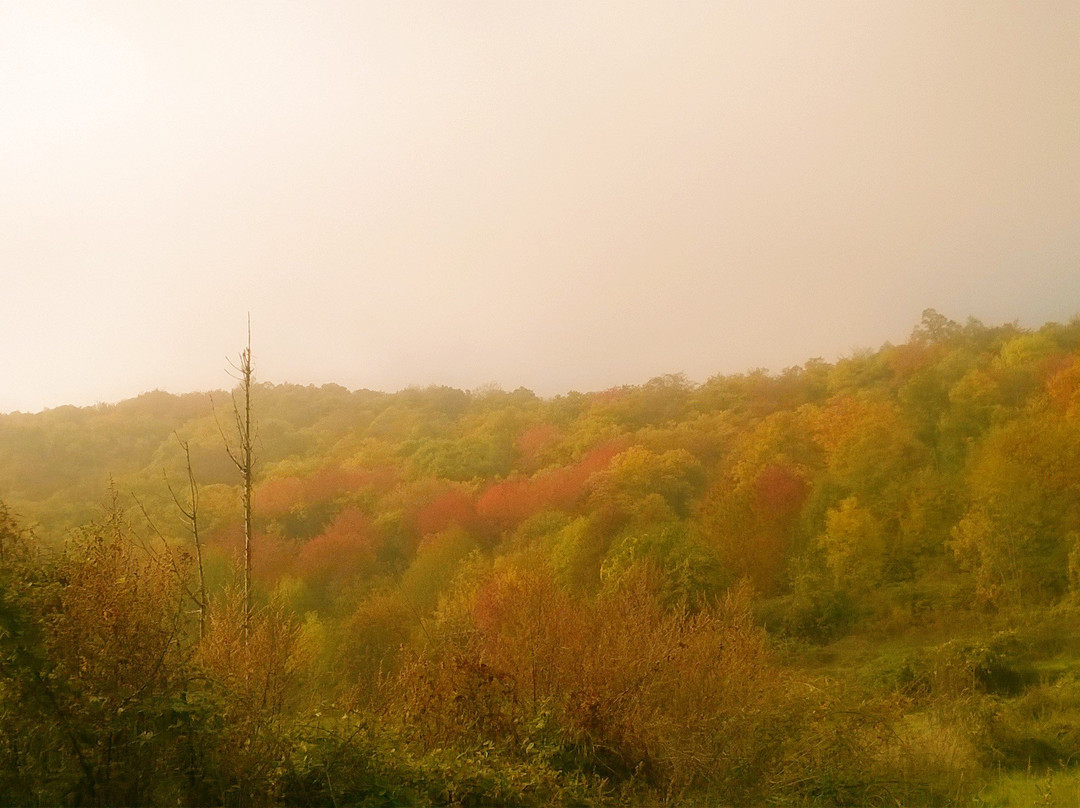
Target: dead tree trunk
pixel 242 455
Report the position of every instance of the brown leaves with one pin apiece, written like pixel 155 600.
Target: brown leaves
pixel 119 615
pixel 632 684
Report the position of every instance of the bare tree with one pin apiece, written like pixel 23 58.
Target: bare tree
pixel 242 455
pixel 190 510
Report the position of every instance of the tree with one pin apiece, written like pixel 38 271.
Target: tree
pixel 935 327
pixel 242 455
pixel 190 512
pixel 1017 532
pixel 853 546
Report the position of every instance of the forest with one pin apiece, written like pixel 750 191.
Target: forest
pixel 847 583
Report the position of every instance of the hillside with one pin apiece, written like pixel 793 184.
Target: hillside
pixel 846 583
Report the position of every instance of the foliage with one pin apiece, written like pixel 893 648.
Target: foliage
pixel 845 583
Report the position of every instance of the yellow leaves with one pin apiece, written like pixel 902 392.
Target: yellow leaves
pixel 637 473
pixel 1026 350
pixel 433 568
pixel 853 544
pixel 850 423
pixel 1024 489
pixel 990 554
pixel 576 554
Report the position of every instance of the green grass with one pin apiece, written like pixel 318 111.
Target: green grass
pixel 1055 789
pixel 987 705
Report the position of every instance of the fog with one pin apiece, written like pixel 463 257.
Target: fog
pixel 557 196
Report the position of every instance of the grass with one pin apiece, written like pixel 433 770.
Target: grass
pixel 987 704
pixel 1059 788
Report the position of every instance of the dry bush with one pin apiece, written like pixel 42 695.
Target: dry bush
pixel 93 662
pixel 118 626
pixel 254 687
pixel 619 685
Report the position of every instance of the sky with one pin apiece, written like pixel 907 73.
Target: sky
pixel 556 195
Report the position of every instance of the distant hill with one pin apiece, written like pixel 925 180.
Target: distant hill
pixel 863 574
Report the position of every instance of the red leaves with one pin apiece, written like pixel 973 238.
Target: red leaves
pixel 344 551
pixel 281 496
pixel 278 496
pixel 454 506
pixel 780 491
pixel 504 505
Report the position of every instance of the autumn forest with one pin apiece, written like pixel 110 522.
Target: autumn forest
pixel 847 583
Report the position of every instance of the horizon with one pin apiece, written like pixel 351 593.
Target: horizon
pixel 694 382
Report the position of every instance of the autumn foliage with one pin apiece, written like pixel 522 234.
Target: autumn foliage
pixel 851 582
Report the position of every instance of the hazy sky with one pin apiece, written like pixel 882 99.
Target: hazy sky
pixel 556 195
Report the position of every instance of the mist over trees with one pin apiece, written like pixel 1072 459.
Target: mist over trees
pixel 845 583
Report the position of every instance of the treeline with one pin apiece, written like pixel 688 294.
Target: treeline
pixel 749 590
